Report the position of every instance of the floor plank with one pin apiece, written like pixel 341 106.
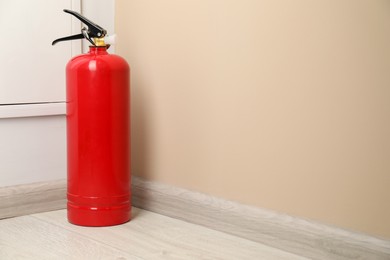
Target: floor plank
pixel 27 237
pixel 147 236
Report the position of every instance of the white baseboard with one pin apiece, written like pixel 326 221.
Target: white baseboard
pixel 295 235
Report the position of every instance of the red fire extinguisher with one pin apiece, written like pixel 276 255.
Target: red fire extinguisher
pixel 98 132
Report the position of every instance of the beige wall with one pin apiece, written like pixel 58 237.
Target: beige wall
pixel 279 104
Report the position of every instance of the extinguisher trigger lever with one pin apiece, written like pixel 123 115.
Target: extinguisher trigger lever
pixel 94 30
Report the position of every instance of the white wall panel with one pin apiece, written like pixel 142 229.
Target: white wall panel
pixel 31 70
pixel 32 149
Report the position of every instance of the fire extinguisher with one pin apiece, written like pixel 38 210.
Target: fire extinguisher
pixel 98 132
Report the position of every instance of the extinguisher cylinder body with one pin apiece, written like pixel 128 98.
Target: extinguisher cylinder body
pixel 98 139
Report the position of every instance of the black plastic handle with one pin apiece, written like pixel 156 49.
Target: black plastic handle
pixel 93 30
pixel 69 38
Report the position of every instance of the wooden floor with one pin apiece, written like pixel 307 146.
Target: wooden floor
pixel 147 236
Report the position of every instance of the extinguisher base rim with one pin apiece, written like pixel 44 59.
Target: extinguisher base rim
pixel 98 217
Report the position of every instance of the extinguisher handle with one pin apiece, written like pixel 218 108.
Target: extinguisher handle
pixel 92 31
pixel 69 38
